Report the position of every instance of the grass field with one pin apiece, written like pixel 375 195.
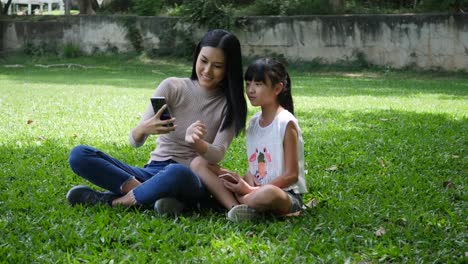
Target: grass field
pixel 386 159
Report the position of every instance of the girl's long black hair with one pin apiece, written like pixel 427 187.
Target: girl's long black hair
pixel 232 84
pixel 275 71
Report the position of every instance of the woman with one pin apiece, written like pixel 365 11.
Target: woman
pixel 208 110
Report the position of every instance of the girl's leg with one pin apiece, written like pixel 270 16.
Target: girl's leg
pixel 200 167
pixel 174 181
pixel 269 198
pixel 105 171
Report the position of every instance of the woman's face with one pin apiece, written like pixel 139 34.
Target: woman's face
pixel 210 67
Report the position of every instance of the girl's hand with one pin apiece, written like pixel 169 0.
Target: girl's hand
pixel 195 132
pixel 156 126
pixel 239 188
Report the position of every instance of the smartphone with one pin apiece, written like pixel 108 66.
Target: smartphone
pixel 157 103
pixel 228 177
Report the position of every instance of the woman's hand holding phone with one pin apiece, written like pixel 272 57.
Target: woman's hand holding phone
pixel 156 126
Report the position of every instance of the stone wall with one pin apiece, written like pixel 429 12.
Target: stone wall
pixel 428 41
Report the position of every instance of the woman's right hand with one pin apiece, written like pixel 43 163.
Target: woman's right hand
pixel 156 126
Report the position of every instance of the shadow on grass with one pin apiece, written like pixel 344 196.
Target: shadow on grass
pixel 349 86
pixel 372 144
pixel 385 164
pixel 128 73
pixel 390 169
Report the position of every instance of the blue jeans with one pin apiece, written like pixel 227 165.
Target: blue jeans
pixel 159 178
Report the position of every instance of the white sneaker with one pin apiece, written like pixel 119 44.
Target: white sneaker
pixel 242 212
pixel 168 206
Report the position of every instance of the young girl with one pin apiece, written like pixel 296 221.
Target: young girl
pixel 275 179
pixel 209 108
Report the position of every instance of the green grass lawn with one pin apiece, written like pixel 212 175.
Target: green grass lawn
pixel 383 150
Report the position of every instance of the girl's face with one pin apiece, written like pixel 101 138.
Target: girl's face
pixel 263 93
pixel 210 67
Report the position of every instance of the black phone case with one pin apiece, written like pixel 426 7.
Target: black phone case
pixel 157 103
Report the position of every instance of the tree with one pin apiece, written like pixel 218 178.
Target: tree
pixel 5 9
pixel 87 7
pixel 336 4
pixel 67 5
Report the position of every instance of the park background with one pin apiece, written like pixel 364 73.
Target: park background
pixel 380 90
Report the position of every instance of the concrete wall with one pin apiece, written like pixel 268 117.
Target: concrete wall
pixel 425 41
pixel 428 41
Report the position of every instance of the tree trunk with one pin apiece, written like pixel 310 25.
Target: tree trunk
pixel 87 7
pixel 336 4
pixel 7 6
pixel 67 7
pixel 458 6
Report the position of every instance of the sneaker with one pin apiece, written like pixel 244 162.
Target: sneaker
pixel 242 212
pixel 168 206
pixel 84 195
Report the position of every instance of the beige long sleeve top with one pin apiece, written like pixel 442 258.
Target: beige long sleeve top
pixel 188 102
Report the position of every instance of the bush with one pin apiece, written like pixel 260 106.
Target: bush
pixel 118 6
pixel 444 5
pixel 71 50
pixel 147 7
pixel 209 13
pixel 288 7
pixel 41 48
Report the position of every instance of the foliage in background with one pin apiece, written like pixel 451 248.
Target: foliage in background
pixel 118 7
pixel 134 7
pixel 209 13
pixel 288 7
pixel 71 50
pixel 38 49
pixel 147 7
pixel 133 34
pixel 403 6
pixel 218 13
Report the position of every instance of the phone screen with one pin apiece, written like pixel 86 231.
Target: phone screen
pixel 157 103
pixel 228 177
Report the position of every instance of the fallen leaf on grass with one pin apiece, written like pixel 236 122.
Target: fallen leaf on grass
pixel 313 203
pixel 250 234
pixel 448 184
pixel 382 163
pixel 41 138
pixel 380 232
pixel 332 168
pixel 30 121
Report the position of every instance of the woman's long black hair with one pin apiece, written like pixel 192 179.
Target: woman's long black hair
pixel 274 70
pixel 232 84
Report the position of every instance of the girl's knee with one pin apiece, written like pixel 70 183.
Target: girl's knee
pixel 270 191
pixel 266 196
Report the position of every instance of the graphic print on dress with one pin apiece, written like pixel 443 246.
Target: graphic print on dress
pixel 263 160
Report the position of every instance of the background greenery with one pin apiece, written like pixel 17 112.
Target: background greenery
pixel 384 150
pixel 281 7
